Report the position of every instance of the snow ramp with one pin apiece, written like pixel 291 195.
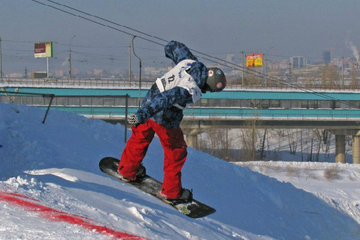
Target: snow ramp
pixel 57 163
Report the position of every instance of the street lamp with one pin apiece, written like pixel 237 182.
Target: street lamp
pixel 0 60
pixel 70 69
pixel 132 43
pixel 266 64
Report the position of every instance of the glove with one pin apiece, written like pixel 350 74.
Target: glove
pixel 133 120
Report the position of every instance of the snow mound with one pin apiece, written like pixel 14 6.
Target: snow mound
pixel 57 164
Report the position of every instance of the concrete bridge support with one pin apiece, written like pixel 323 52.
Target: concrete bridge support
pixel 192 137
pixel 340 145
pixel 356 149
pixel 340 148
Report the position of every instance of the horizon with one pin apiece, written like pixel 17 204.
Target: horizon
pixel 280 29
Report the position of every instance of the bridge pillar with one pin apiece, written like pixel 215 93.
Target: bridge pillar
pixel 356 149
pixel 340 148
pixel 192 137
pixel 340 144
pixel 191 140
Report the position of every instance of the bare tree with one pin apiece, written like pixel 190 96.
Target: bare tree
pixel 262 149
pixel 292 140
pixel 301 145
pixel 330 77
pixel 249 139
pixel 318 135
pixel 217 143
pixel 354 84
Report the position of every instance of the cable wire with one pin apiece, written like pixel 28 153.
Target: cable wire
pixel 205 56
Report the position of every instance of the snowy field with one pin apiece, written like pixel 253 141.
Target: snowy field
pixel 51 188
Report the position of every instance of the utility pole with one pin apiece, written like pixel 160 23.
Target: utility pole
pixel 289 71
pixel 0 60
pixel 243 67
pixel 70 67
pixel 342 75
pixel 129 58
pixel 47 68
pixel 266 66
pixel 70 61
pixel 140 65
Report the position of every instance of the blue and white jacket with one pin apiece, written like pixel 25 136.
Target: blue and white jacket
pixel 171 93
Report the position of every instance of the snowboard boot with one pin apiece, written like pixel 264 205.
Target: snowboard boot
pixel 186 196
pixel 140 175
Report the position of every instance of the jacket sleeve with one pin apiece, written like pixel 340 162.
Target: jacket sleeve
pixel 177 52
pixel 162 101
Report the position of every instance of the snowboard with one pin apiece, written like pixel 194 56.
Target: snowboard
pixel 147 184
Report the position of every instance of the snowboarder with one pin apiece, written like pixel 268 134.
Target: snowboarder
pixel 161 112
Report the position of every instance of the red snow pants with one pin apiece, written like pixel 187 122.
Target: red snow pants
pixel 175 154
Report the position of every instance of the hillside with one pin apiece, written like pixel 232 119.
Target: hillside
pixel 56 165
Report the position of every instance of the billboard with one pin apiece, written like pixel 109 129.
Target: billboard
pixel 43 50
pixel 254 60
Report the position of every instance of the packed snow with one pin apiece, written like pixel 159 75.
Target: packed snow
pixel 56 165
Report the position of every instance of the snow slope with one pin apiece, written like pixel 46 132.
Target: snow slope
pixel 56 163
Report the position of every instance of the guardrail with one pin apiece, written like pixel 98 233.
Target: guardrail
pixel 112 107
pixel 116 83
pixel 118 113
pixel 77 83
pixel 53 96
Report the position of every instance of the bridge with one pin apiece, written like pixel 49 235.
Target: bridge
pixel 236 107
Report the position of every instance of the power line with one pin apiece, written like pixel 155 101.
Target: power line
pixel 204 56
pixel 93 21
pixel 88 46
pixel 207 57
pixel 17 41
pixel 111 22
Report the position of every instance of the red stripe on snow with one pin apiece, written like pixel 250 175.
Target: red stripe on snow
pixel 18 195
pixel 59 216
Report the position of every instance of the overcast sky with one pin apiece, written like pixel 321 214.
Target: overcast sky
pixel 280 28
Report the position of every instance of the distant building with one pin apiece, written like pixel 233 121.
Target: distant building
pixel 273 65
pixel 98 72
pixel 38 74
pixel 59 73
pixel 327 57
pixel 284 64
pixel 298 62
pixel 230 58
pixel 15 75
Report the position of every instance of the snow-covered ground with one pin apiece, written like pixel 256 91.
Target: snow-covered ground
pixel 55 165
